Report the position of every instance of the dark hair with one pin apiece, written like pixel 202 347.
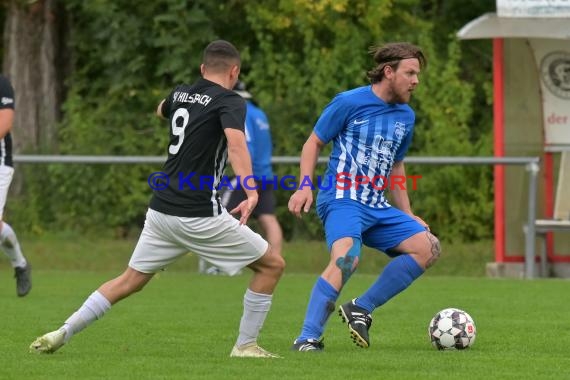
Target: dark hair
pixel 220 56
pixel 390 55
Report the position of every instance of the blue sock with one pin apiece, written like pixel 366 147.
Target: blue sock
pixel 321 305
pixel 397 276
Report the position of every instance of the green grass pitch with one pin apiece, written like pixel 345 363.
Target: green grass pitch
pixel 183 326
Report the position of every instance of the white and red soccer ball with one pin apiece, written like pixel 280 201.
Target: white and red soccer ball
pixel 452 329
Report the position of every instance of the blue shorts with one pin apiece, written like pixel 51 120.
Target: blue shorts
pixel 380 228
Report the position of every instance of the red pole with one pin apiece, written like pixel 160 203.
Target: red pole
pixel 499 148
pixel 549 200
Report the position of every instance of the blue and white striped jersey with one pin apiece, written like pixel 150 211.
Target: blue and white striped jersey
pixel 368 136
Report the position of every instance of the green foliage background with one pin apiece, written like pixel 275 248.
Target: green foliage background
pixel 297 54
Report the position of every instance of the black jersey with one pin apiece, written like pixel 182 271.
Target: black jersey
pixel 6 102
pixel 197 150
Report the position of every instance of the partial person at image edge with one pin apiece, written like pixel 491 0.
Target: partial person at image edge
pixel 8 241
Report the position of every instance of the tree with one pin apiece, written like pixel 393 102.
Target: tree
pixel 35 61
pixel 296 55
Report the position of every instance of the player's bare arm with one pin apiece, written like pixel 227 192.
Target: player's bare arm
pixel 241 164
pixel 400 194
pixel 159 109
pixel 6 121
pixel 303 198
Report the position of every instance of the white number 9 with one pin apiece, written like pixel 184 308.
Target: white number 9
pixel 178 131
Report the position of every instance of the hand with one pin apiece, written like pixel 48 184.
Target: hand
pixel 421 221
pixel 301 199
pixel 245 208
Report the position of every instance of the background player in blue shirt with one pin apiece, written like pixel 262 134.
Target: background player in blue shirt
pixel 371 128
pixel 260 146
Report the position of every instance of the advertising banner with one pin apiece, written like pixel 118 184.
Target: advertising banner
pixel 553 62
pixel 533 8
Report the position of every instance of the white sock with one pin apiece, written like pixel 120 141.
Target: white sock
pixel 255 309
pixel 92 309
pixel 10 245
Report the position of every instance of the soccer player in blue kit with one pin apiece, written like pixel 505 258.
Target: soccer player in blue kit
pixel 371 128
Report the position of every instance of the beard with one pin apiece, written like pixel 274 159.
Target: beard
pixel 402 97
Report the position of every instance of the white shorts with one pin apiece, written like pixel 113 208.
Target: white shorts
pixel 6 173
pixel 220 240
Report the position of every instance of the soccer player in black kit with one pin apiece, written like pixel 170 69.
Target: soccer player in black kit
pixel 206 121
pixel 8 241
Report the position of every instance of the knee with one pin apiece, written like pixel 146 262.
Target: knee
pixel 273 263
pixel 432 250
pixel 278 264
pixel 346 262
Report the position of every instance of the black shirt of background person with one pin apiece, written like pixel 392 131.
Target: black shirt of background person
pixel 6 102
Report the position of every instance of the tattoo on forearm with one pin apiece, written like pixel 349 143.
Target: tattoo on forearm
pixel 435 249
